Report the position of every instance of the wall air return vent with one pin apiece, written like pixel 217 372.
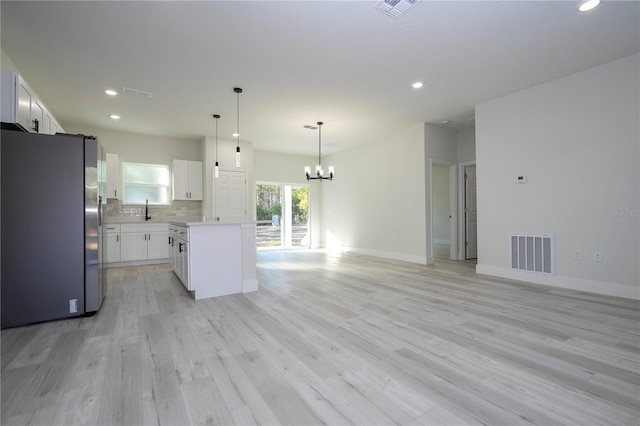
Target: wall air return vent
pixel 136 92
pixel 533 253
pixel 395 8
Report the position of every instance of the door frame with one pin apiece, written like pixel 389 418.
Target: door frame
pixel 282 206
pixel 461 255
pixel 453 205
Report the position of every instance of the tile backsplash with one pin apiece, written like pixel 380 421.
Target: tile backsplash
pixel 177 209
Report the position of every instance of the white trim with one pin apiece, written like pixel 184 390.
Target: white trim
pixel 579 284
pixel 461 224
pixel 135 263
pixel 423 260
pixel 249 286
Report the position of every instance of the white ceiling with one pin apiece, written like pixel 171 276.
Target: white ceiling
pixel 299 62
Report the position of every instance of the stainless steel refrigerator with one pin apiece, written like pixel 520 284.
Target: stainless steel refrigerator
pixel 50 216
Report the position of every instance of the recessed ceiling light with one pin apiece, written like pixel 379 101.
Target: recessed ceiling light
pixel 417 84
pixel 587 5
pixel 235 135
pixel 115 116
pixel 446 122
pixel 111 92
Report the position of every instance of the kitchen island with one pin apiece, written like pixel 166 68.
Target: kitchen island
pixel 214 258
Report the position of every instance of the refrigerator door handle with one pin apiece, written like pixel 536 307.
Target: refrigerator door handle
pixel 100 210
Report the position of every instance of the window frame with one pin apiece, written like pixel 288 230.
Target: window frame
pixel 167 188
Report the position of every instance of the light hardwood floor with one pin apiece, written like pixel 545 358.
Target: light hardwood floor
pixel 329 339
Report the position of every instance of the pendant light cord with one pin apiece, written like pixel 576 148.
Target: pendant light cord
pixel 238 91
pixel 320 143
pixel 216 117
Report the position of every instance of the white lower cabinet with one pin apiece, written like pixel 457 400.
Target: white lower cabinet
pixel 180 253
pixel 146 241
pixel 214 259
pixel 112 243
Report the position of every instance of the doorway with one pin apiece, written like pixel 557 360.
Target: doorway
pixel 282 213
pixel 444 216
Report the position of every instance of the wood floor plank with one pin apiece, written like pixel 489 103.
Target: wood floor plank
pixel 121 403
pixel 83 391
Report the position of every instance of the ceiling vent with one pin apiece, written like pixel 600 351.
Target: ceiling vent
pixel 136 92
pixel 395 8
pixel 308 126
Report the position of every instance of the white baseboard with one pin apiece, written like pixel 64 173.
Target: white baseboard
pixel 441 241
pixel 579 284
pixel 249 286
pixel 388 255
pixel 136 263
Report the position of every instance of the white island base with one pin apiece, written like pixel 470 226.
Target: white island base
pixel 214 259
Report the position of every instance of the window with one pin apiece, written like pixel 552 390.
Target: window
pixel 142 182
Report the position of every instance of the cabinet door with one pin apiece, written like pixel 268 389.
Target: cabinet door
pixel 46 126
pixel 112 175
pixel 23 112
pixel 195 180
pixel 180 180
pixel 133 246
pixel 157 247
pixel 185 266
pixel 37 116
pixel 113 248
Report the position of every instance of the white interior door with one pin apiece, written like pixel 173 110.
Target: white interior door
pixel 470 213
pixel 230 189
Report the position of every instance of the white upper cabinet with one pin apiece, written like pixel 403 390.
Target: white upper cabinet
pixel 21 106
pixel 187 180
pixel 112 175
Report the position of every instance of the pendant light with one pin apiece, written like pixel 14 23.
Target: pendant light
pixel 319 172
pixel 216 169
pixel 237 135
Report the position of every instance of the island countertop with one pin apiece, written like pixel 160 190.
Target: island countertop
pixel 206 222
pixel 213 258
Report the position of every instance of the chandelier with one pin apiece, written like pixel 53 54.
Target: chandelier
pixel 319 175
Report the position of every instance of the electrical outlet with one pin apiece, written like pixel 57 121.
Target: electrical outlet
pixel 597 256
pixel 577 254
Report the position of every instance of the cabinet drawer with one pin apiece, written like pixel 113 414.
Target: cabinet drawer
pixel 112 228
pixel 144 227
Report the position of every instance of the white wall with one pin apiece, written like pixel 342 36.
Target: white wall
pixel 375 205
pixel 466 145
pixel 143 148
pixel 287 168
pixel 577 140
pixel 7 64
